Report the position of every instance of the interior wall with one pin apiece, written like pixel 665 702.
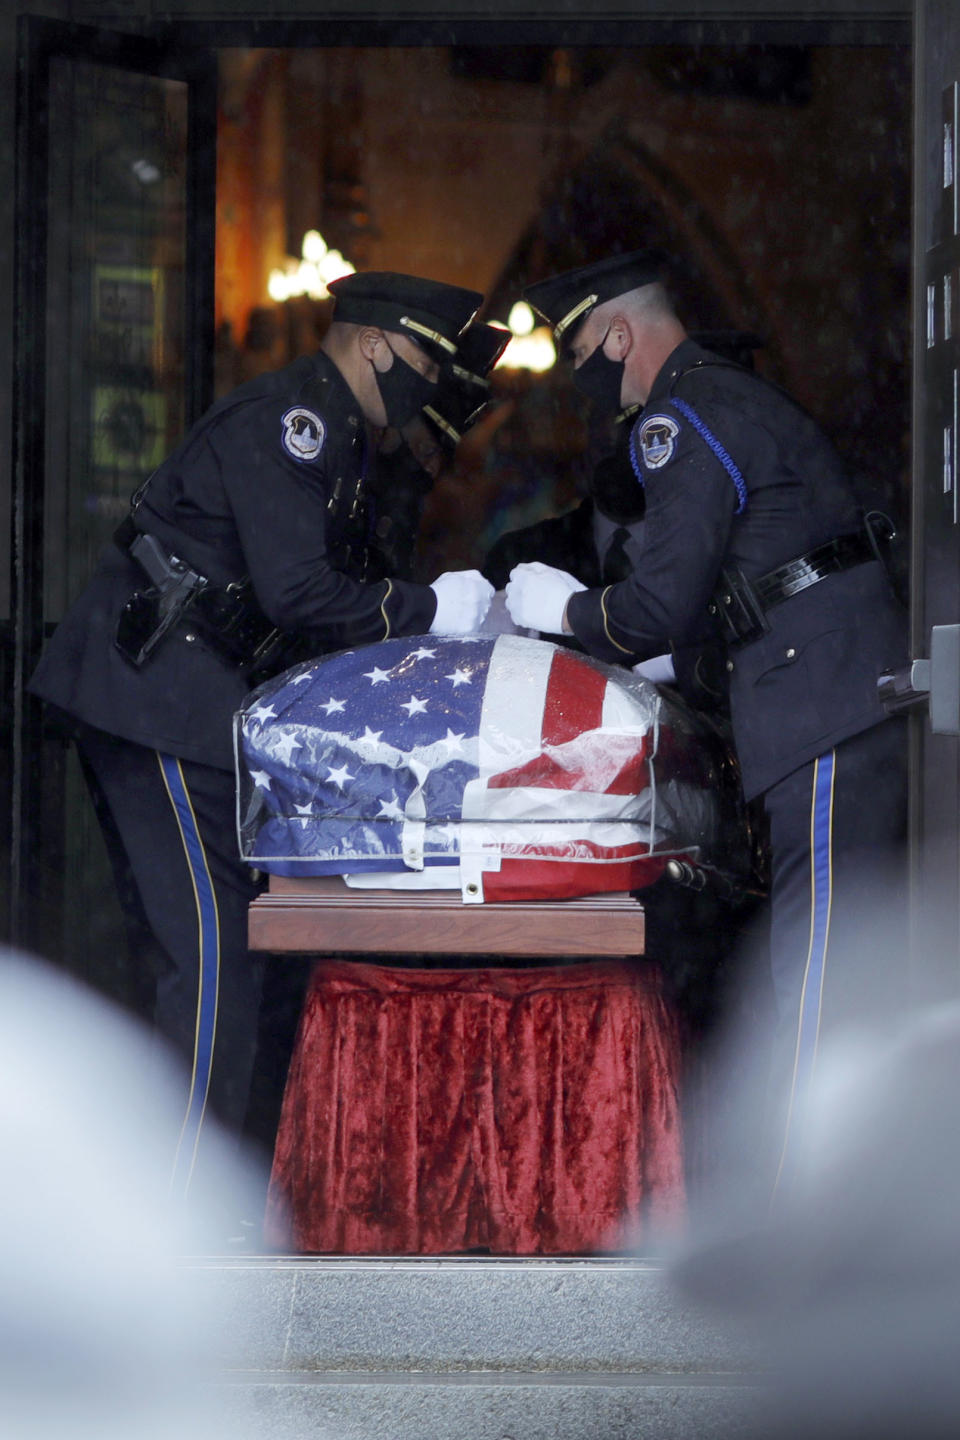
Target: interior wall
pixel 779 177
pixel 238 22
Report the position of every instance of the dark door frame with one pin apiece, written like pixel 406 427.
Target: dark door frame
pixel 546 22
pixel 183 50
pixel 39 42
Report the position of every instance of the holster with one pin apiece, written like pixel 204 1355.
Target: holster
pixel 740 605
pixel 228 618
pixel 150 613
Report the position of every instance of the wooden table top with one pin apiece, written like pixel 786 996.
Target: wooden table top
pixel 326 916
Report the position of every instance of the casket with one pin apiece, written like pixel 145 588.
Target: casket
pixel 502 767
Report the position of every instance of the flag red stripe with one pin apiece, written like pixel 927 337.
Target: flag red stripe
pixel 529 879
pixel 574 701
pixel 634 776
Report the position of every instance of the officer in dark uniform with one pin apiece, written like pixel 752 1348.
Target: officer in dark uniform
pixel 751 515
pixel 253 534
pixel 419 451
pixel 595 540
pixel 463 392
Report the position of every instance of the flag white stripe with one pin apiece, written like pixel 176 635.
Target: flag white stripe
pixel 631 707
pixel 524 802
pixel 551 836
pixel 511 719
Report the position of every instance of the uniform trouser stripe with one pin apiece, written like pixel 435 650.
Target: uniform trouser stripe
pixel 208 969
pixel 821 899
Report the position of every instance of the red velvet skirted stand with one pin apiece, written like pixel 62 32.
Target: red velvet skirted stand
pixel 505 1111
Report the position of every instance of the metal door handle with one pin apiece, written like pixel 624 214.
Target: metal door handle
pixel 934 682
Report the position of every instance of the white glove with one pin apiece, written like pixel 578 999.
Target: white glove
pixel 659 669
pixel 537 596
pixel 463 599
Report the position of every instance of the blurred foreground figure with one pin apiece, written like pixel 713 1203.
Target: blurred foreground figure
pixel 102 1336
pixel 851 1295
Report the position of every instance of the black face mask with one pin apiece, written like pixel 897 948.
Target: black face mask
pixel 403 390
pixel 600 379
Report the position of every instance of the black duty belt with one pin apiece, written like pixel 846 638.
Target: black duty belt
pixel 227 617
pixel 740 604
pixel 840 554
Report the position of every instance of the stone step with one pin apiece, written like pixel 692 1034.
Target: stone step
pixel 390 1315
pixel 501 1407
pixel 470 1349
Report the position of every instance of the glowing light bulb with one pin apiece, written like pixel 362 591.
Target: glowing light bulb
pixel 333 266
pixel 314 247
pixel 521 319
pixel 529 352
pixel 309 281
pixel 312 274
pixel 278 286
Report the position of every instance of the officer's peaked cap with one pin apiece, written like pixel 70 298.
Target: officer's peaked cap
pixel 428 311
pixel 463 393
pixel 481 346
pixel 565 300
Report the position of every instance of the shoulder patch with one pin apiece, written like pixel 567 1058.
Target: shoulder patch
pixel 303 433
pixel 657 440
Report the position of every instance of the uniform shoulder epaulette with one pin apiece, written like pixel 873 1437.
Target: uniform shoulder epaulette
pixel 702 364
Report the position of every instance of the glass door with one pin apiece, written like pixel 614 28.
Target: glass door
pixel 116 165
pixel 935 819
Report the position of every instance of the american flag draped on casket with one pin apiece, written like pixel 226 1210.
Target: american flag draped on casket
pixel 506 767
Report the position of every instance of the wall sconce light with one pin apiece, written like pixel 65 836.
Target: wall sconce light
pixel 311 274
pixel 532 345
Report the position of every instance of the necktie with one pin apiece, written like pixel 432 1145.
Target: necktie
pixel 616 565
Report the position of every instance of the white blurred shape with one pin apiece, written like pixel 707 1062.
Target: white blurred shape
pixel 851 1292
pixel 101 1335
pixel 658 669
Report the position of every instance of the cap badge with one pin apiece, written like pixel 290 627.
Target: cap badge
pixel 657 438
pixel 303 433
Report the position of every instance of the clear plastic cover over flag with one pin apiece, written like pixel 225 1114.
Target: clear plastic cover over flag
pixel 505 767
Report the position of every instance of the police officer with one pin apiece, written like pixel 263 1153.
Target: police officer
pixel 253 533
pixel 749 514
pixel 464 394
pixel 596 540
pixel 412 458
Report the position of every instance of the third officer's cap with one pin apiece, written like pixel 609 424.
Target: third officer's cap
pixel 428 311
pixel 463 393
pixel 565 300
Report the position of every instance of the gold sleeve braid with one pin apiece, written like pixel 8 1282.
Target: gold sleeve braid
pixel 606 623
pixel 383 608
